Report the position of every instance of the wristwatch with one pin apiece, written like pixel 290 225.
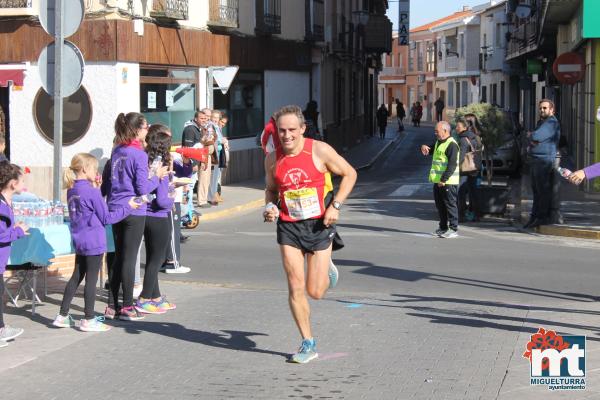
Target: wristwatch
pixel 337 205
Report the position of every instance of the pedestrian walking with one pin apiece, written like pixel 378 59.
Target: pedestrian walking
pixel 400 115
pixel 382 117
pixel 444 175
pixel 311 118
pixel 11 183
pixel 306 220
pixel 542 147
pixel 88 214
pixel 418 114
pixel 439 108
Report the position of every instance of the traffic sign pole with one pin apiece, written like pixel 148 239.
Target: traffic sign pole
pixel 59 39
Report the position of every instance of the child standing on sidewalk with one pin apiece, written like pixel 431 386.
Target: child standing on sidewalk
pixel 11 182
pixel 89 214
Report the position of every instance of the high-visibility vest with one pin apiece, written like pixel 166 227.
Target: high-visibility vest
pixel 440 163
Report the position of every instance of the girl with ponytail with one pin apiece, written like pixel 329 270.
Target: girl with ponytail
pixel 128 177
pixel 89 214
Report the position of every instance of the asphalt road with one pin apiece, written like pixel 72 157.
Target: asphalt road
pixel 413 316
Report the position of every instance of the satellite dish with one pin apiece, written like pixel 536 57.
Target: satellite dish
pixel 523 11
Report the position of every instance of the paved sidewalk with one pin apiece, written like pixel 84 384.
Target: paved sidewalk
pixel 580 211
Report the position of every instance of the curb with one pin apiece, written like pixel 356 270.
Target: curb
pixel 374 159
pixel 566 231
pixel 232 211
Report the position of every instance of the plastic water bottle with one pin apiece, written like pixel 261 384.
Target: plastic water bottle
pixel 155 166
pixel 564 172
pixel 146 198
pixel 270 206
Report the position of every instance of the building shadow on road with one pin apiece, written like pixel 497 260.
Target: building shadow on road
pixel 410 275
pixel 379 229
pixel 420 210
pixel 230 340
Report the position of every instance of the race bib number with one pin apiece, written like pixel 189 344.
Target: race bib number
pixel 302 203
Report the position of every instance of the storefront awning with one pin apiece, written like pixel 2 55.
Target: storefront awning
pixel 14 75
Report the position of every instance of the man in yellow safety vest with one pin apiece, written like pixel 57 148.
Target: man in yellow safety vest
pixel 444 175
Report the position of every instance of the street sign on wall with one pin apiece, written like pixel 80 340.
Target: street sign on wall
pixel 404 22
pixel 569 68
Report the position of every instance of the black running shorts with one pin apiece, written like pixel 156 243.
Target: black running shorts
pixel 308 235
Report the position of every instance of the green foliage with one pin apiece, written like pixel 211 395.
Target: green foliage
pixel 493 123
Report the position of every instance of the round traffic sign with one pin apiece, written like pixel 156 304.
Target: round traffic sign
pixel 72 11
pixel 569 68
pixel 72 68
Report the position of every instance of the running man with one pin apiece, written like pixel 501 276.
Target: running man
pixel 296 179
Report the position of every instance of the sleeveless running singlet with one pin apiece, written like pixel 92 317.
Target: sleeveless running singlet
pixel 302 187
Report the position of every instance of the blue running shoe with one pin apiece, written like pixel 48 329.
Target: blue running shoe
pixel 333 274
pixel 306 352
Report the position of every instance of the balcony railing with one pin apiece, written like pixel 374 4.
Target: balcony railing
pixel 392 71
pixel 268 16
pixel 315 20
pixel 451 63
pixel 224 13
pixel 171 9
pixel 15 3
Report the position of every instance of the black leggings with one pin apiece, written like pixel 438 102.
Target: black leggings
pixel 128 236
pixel 86 267
pixel 157 237
pixel 174 248
pixel 1 300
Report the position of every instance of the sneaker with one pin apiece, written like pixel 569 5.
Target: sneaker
pixel 137 290
pixel 439 232
pixel 178 270
pixel 130 314
pixel 8 333
pixel 110 313
pixel 306 352
pixel 63 322
pixel 449 234
pixel 165 304
pixel 333 274
pixel 3 343
pixel 94 325
pixel 148 307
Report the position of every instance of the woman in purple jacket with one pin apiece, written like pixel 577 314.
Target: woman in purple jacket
pixel 590 172
pixel 157 231
pixel 129 177
pixel 11 182
pixel 88 214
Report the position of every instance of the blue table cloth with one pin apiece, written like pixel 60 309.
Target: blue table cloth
pixel 45 243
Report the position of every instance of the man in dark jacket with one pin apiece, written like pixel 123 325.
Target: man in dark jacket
pixel 541 155
pixel 439 108
pixel 192 132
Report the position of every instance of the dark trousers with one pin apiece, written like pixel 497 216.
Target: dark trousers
pixel 541 183
pixel 438 114
pixel 87 267
pixel 128 236
pixel 382 131
pixel 174 248
pixel 157 236
pixel 467 187
pixel 2 300
pixel 446 204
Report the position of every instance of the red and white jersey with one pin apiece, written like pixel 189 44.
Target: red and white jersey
pixel 302 187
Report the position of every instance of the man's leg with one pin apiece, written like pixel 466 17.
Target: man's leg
pixel 450 201
pixel 203 183
pixel 317 273
pixel 293 264
pixel 441 208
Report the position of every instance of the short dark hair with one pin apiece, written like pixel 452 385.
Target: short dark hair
pixel 8 172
